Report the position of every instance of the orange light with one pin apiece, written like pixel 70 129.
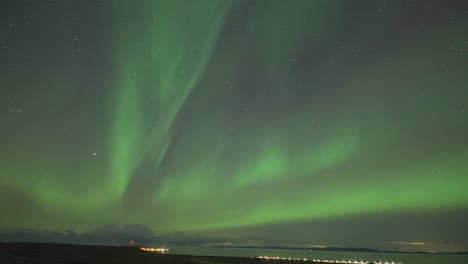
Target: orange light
pixel 159 250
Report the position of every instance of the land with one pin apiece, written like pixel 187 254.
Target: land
pixel 345 249
pixel 50 253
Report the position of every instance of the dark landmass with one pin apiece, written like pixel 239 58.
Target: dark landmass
pixel 344 249
pixel 49 253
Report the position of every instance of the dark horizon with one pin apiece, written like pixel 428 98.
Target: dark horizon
pixel 117 235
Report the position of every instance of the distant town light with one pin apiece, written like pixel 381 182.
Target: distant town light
pixel 157 250
pixel 327 260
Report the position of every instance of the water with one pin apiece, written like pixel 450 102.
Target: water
pixel 331 255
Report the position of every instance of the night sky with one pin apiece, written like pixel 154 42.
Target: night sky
pixel 339 123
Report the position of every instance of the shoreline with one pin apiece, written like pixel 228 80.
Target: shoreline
pixel 57 253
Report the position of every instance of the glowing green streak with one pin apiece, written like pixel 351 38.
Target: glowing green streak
pixel 126 132
pixel 281 125
pixel 403 189
pixel 179 39
pixel 271 180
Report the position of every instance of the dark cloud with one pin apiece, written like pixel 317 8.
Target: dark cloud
pixel 111 234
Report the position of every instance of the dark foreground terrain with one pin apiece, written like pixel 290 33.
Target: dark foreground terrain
pixel 47 253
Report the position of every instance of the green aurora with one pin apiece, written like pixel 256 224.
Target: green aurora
pixel 198 116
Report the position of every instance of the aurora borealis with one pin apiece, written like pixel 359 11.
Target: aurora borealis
pixel 237 118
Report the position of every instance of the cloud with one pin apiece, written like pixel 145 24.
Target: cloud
pixel 116 234
pixel 32 235
pixel 112 234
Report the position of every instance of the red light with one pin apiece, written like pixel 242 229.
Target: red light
pixel 131 242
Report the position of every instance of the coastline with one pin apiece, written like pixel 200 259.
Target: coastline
pixel 56 253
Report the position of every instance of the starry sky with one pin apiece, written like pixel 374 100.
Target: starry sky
pixel 340 123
